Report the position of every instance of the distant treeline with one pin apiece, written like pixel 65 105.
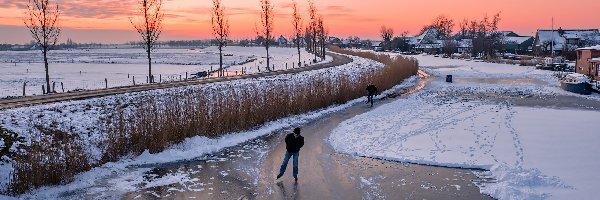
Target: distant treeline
pixel 162 44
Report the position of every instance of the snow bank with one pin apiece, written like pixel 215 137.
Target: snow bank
pixel 85 118
pixel 530 153
pixel 124 178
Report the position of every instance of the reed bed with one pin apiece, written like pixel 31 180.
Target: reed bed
pixel 156 122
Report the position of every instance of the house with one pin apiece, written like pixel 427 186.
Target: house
pixel 281 41
pixel 334 41
pixel 565 39
pixel 465 46
pixel 428 42
pixel 588 61
pixel 516 44
pixel 353 42
pixel 508 34
pixel 292 42
pixel 377 45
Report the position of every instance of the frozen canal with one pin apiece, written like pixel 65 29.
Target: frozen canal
pixel 499 131
pixel 88 68
pixel 535 140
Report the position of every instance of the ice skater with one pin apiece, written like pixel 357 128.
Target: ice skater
pixel 293 142
pixel 372 89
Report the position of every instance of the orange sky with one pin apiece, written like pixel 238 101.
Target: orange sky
pixel 189 19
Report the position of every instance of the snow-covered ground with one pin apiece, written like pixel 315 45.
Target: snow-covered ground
pixel 88 68
pixel 530 152
pixel 84 119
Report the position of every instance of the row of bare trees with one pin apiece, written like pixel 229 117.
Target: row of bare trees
pixel 42 19
pixel 483 35
pixel 316 34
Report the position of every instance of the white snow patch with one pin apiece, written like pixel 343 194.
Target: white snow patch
pixel 532 153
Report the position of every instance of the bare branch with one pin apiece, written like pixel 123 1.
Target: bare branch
pixel 41 18
pixel 266 20
pixel 148 24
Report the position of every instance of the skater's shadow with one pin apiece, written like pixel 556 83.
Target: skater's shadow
pixel 294 194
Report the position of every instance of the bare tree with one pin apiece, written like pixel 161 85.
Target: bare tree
pixel 266 19
pixel 297 22
pixel 387 34
pixel 401 43
pixel 149 26
pixel 308 38
pixel 450 46
pixel 42 22
pixel 322 36
pixel 444 26
pixel 220 27
pixel 485 36
pixel 312 11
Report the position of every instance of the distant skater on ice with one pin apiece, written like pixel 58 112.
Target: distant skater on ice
pixel 293 142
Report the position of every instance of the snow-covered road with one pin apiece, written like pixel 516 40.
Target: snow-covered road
pixel 536 141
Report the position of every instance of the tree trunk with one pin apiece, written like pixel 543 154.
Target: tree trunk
pixel 268 59
pixel 151 79
pixel 221 60
pixel 45 51
pixel 299 57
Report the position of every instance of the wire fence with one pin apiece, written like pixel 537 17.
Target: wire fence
pixel 83 81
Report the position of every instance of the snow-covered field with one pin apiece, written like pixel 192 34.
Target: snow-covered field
pixel 84 119
pixel 530 152
pixel 88 68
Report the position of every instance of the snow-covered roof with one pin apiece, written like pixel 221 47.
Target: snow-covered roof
pixel 546 36
pixel 376 43
pixel 597 48
pixel 427 36
pixel 508 34
pixel 411 40
pixel 465 43
pixel 580 34
pixel 561 36
pixel 517 40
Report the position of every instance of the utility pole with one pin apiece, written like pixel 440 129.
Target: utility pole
pixel 552 47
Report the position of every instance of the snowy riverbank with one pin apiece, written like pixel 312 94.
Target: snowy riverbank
pixel 530 152
pixel 85 119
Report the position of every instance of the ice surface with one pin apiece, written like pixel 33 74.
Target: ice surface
pixel 531 153
pixel 88 68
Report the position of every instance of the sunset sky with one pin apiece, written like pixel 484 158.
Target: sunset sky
pixel 107 20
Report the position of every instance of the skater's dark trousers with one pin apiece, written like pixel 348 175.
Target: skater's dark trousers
pixel 288 155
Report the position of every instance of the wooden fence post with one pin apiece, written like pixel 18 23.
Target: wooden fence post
pixel 106 83
pixel 133 80
pixel 43 90
pixel 24 85
pixel 62 86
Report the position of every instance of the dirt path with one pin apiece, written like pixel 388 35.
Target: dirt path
pixel 59 97
pixel 248 171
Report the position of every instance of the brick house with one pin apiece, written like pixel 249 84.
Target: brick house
pixel 588 61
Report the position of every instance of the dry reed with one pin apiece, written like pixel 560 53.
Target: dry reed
pixel 154 123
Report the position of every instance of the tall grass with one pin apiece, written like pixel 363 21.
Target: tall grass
pixel 155 122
